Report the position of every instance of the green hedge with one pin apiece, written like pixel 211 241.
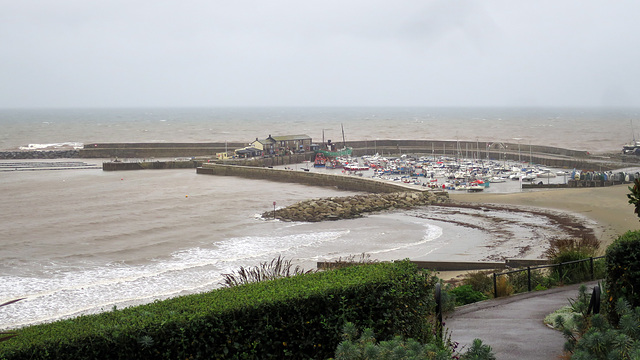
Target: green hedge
pixel 623 271
pixel 298 317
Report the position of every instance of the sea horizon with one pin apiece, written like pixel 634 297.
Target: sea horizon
pixel 594 129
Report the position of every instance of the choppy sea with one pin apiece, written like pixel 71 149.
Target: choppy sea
pixel 83 240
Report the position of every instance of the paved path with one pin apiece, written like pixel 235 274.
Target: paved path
pixel 513 326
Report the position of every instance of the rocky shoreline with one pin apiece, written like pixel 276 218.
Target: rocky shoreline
pixel 40 154
pixel 350 207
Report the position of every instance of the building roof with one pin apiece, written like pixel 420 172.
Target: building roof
pixel 248 150
pixel 263 141
pixel 291 137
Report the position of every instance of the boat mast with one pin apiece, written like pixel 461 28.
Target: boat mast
pixel 344 143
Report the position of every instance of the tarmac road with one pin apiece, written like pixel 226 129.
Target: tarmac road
pixel 513 326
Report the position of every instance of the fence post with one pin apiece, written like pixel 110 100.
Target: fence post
pixel 495 286
pixel 560 273
pixel 594 303
pixel 438 294
pixel 593 275
pixel 529 277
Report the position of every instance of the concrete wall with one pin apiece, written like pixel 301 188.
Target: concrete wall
pixel 462 265
pixel 342 182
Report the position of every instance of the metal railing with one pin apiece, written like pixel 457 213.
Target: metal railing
pixel 529 268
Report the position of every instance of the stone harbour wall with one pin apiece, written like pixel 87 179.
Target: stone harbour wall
pixel 342 182
pixel 349 207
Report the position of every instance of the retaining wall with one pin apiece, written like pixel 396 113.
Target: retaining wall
pixel 461 265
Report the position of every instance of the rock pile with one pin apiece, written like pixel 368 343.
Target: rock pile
pixel 349 207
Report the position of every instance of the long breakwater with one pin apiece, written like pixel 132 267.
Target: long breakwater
pixel 537 154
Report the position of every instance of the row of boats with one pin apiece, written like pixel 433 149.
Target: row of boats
pixel 442 172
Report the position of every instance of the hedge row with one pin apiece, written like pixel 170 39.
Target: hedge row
pixel 299 317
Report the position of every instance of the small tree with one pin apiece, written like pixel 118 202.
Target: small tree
pixel 634 196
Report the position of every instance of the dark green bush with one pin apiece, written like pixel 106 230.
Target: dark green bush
pixel 298 317
pixel 465 294
pixel 367 347
pixel 604 341
pixel 623 270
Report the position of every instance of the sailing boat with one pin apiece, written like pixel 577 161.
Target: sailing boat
pixel 345 151
pixel 632 148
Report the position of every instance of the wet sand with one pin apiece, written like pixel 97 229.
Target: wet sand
pixel 608 207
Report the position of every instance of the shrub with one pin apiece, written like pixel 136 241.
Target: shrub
pixel 350 260
pixel 623 271
pixel 367 347
pixel 603 341
pixel 465 294
pixel 503 287
pixel 567 250
pixel 296 317
pixel 634 196
pixel 520 280
pixel 480 281
pixel 276 269
pixel 576 321
pixel 478 351
pixel 447 299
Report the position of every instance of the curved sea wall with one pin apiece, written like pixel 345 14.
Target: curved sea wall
pixel 350 207
pixel 537 154
pixel 342 182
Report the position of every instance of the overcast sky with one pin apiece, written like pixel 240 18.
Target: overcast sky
pixel 79 53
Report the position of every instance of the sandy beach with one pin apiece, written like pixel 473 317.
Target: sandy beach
pixel 608 207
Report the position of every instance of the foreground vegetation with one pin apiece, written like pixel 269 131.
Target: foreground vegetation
pixel 267 312
pixel 614 333
pixel 297 317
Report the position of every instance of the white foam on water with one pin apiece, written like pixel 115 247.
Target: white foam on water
pixel 73 145
pixel 67 291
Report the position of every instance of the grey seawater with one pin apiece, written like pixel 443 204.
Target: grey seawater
pixel 75 241
pixel 591 129
pixel 83 241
